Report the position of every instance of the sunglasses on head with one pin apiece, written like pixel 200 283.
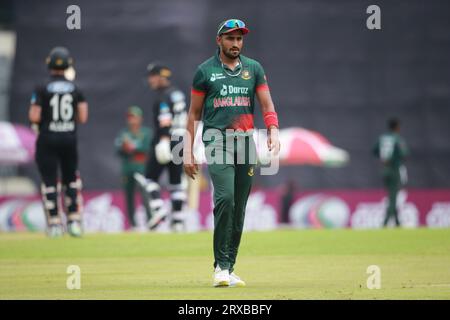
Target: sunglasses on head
pixel 234 23
pixel 231 24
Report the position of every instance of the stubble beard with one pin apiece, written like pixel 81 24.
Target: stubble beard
pixel 231 55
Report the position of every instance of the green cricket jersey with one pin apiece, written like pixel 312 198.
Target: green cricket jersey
pixel 136 160
pixel 392 150
pixel 229 95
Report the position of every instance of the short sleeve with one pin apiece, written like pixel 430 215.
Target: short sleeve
pixel 80 95
pixel 36 96
pixel 199 83
pixel 119 141
pixel 260 78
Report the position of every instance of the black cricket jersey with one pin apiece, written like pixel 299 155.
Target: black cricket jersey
pixel 169 113
pixel 58 98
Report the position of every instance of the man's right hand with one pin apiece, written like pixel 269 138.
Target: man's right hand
pixel 128 146
pixel 190 167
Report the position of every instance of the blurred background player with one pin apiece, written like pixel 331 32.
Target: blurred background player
pixel 169 121
pixel 132 145
pixel 56 107
pixel 287 199
pixel 391 150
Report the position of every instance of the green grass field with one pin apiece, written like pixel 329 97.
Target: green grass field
pixel 285 264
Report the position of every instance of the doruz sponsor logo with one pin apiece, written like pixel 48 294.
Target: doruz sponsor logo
pixel 233 90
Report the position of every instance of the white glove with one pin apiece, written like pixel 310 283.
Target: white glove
pixel 162 151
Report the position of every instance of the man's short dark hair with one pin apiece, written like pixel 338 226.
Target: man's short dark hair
pixel 393 124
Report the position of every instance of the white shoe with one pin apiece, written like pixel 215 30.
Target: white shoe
pixel 235 281
pixel 75 229
pixel 55 231
pixel 178 227
pixel 221 277
pixel 157 217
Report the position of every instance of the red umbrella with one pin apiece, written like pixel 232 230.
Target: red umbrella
pixel 301 146
pixel 298 147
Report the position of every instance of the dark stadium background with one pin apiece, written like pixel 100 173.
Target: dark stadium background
pixel 326 70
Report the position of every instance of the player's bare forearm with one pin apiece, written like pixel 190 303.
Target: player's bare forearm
pixel 164 137
pixel 194 115
pixel 266 103
pixel 34 114
pixel 82 115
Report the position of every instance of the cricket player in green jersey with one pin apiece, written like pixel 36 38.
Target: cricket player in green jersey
pixel 391 150
pixel 132 145
pixel 224 90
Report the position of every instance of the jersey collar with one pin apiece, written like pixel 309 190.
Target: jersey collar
pixel 57 77
pixel 237 70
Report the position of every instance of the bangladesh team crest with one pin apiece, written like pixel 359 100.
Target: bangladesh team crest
pixel 246 75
